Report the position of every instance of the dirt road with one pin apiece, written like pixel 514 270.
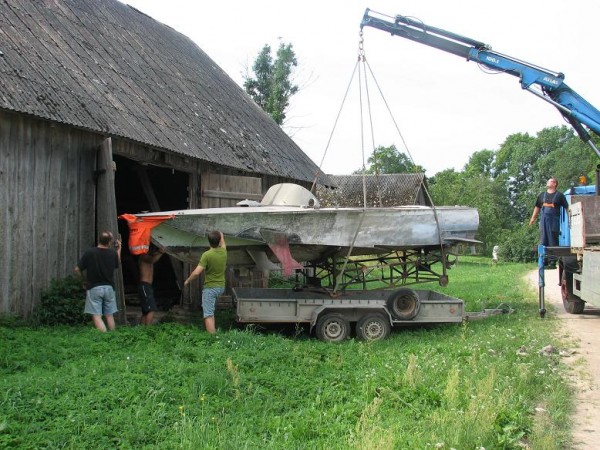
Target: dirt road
pixel 581 337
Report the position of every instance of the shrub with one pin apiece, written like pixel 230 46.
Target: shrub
pixel 62 303
pixel 520 244
pixel 276 280
pixel 12 320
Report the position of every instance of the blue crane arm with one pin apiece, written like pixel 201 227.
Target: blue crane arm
pixel 545 84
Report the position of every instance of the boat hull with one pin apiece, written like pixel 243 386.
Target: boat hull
pixel 313 234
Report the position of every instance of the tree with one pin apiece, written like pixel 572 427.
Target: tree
pixel 481 163
pixel 273 86
pixel 477 190
pixel 390 160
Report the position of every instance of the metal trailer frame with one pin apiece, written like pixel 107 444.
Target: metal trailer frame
pixel 373 312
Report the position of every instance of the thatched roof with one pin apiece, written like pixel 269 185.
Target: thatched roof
pixel 382 190
pixel 104 66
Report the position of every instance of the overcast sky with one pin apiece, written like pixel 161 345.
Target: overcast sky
pixel 445 108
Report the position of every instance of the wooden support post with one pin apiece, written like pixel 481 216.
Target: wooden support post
pixel 106 212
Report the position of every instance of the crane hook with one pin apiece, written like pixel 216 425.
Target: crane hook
pixel 361 48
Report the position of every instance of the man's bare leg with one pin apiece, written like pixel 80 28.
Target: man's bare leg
pixel 110 321
pixel 98 323
pixel 147 319
pixel 209 324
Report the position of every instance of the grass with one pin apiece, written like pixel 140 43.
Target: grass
pixel 174 386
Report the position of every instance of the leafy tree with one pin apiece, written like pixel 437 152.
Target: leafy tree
pixel 516 165
pixel 477 190
pixel 569 158
pixel 273 86
pixel 445 187
pixel 481 163
pixel 385 160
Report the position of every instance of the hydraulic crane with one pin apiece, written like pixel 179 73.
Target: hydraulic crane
pixel 545 84
pixel 578 252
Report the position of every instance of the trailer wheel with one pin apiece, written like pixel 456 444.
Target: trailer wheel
pixel 404 304
pixel 571 303
pixel 373 327
pixel 332 327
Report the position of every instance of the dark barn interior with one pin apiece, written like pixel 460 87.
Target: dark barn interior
pixel 170 189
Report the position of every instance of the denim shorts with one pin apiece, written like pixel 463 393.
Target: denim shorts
pixel 100 300
pixel 209 299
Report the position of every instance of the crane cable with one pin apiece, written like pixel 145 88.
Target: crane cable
pixel 361 59
pixel 362 62
pixel 433 207
pixel 337 118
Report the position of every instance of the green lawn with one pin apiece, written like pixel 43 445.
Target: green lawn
pixel 173 386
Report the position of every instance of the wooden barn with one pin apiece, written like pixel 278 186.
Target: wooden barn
pixel 103 111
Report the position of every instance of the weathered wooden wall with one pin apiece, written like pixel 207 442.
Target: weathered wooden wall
pixel 220 190
pixel 48 199
pixel 47 206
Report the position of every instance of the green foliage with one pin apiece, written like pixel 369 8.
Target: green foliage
pixel 273 85
pixel 174 386
pixel 11 320
pixel 390 160
pixel 479 191
pixel 504 184
pixel 520 244
pixel 62 303
pixel 277 280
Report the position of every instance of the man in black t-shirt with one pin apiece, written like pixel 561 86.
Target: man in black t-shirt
pixel 97 268
pixel 549 204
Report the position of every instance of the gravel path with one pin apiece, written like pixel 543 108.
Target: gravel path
pixel 581 334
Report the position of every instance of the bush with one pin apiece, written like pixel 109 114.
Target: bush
pixel 62 303
pixel 276 280
pixel 12 321
pixel 520 244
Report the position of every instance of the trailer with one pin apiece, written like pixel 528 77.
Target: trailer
pixel 372 313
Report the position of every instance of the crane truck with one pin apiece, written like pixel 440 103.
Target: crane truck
pixel 578 253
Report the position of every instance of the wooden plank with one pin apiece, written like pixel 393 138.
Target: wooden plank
pixel 222 190
pixel 591 212
pixel 106 212
pixel 147 188
pixel 231 195
pixel 48 192
pixel 189 296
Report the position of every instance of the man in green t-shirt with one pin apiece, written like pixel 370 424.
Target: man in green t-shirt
pixel 212 263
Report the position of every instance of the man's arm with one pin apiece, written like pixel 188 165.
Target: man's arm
pixel 195 274
pixel 118 248
pixel 222 241
pixel 79 274
pixel 536 211
pixel 156 256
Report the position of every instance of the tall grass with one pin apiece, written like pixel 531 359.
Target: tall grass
pixel 174 386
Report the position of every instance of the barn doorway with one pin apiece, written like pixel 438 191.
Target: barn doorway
pixel 137 188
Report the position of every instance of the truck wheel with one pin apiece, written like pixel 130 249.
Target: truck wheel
pixel 332 327
pixel 571 303
pixel 404 304
pixel 373 327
